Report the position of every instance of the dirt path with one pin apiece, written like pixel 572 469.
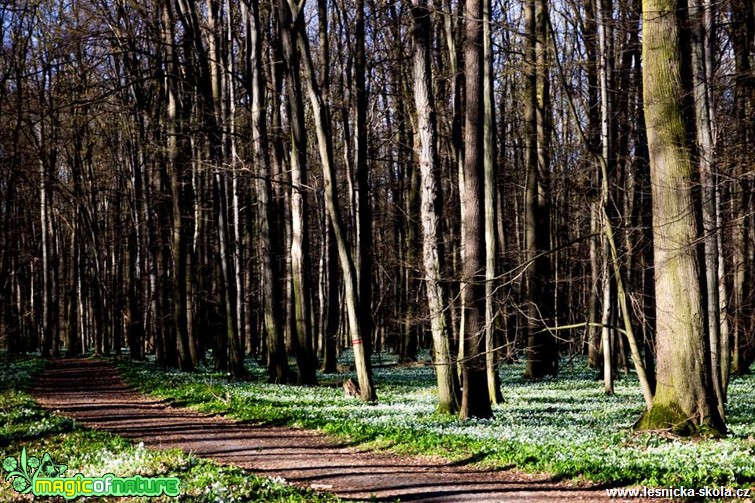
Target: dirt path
pixel 93 393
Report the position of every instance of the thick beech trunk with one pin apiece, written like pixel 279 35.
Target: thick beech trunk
pixel 684 400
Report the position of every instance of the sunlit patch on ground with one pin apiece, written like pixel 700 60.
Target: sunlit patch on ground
pixel 565 426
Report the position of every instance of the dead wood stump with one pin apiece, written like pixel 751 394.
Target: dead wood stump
pixel 351 388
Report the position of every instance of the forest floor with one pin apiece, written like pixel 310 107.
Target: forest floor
pixel 93 393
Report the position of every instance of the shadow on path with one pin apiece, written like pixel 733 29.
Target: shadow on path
pixel 92 392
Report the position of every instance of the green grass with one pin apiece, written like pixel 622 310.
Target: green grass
pixel 565 426
pixel 94 453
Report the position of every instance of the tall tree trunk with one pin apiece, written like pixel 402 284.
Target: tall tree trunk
pixel 609 203
pixel 542 357
pixel 475 401
pixel 702 72
pixel 176 168
pixel 73 327
pixel 47 342
pixel 491 245
pixel 592 134
pixel 643 214
pixel 548 342
pixel 235 352
pixel 411 328
pixel 135 309
pixel 593 343
pixel 684 399
pixel 432 253
pixel 266 228
pixel 332 299
pixel 348 269
pixel 213 110
pixel 608 322
pixel 456 163
pixel 363 233
pixel 742 41
pixel 9 307
pixel 237 186
pixel 306 359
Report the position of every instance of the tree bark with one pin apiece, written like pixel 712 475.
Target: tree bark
pixel 305 356
pixel 175 169
pixel 542 356
pixel 348 269
pixel 432 253
pixel 684 400
pixel 266 228
pixel 363 233
pixel 702 61
pixel 491 244
pixel 475 401
pixel 743 44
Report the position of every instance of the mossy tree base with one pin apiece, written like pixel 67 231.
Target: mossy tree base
pixel 670 417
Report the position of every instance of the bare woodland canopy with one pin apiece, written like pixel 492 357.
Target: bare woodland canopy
pixel 491 180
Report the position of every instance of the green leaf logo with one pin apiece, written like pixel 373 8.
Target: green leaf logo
pixel 23 471
pixel 49 468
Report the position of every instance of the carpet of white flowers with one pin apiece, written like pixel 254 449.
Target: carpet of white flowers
pixel 23 425
pixel 565 425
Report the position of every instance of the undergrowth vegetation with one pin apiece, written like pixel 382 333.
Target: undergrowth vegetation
pixel 564 426
pixel 95 453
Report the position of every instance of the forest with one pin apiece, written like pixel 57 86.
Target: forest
pixel 491 181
